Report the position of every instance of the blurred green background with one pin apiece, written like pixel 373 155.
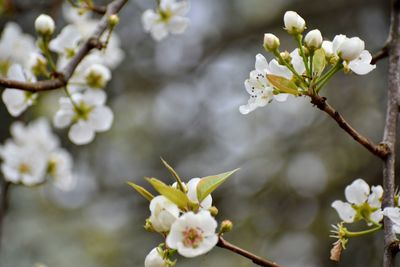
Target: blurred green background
pixel 179 99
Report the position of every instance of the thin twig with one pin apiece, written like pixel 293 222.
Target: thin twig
pixel 63 77
pixel 380 150
pixel 381 54
pixel 390 132
pixel 222 243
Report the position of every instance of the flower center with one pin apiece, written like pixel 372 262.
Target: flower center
pixel 82 111
pixel 24 168
pixel 192 237
pixel 165 15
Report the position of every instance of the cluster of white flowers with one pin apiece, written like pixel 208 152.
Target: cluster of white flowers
pixel 33 154
pixel 191 233
pixel 167 18
pixel 84 106
pixel 296 72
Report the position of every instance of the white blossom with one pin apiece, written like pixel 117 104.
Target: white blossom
pixel 313 39
pixel 163 213
pixel 352 51
pixel 393 213
pixel 44 25
pixel 169 18
pixel 154 259
pixel 17 101
pixel 60 167
pixel 66 41
pixel 87 114
pixel 193 234
pixel 97 76
pixel 192 194
pixel 361 203
pixel 294 24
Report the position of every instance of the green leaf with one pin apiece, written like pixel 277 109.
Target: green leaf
pixel 175 174
pixel 208 184
pixel 146 194
pixel 283 84
pixel 319 61
pixel 174 195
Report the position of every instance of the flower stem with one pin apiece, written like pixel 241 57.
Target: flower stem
pixel 290 67
pixel 325 78
pixel 299 38
pixel 361 233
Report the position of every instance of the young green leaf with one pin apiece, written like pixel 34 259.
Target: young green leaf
pixel 208 184
pixel 146 194
pixel 174 195
pixel 319 61
pixel 283 84
pixel 175 174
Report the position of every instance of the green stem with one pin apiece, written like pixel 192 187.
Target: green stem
pixel 299 38
pixel 325 78
pixel 361 233
pixel 311 63
pixel 290 67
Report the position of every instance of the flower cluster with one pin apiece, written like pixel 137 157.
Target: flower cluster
pixel 302 72
pixel 83 108
pixel 33 154
pixel 183 214
pixel 167 18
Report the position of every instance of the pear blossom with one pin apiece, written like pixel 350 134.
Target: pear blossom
pixel 362 203
pixel 17 101
pixel 168 18
pixel 44 25
pixel 154 259
pixel 163 213
pixel 97 76
pixel 260 90
pixel 193 234
pixel 60 166
pixel 393 213
pixel 313 39
pixel 37 64
pixel 352 51
pixel 66 41
pixel 192 194
pixel 294 24
pixel 86 113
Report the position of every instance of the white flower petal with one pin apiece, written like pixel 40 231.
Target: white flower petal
pixel 101 118
pixel 361 65
pixel 345 211
pixel 81 133
pixel 357 192
pixel 178 25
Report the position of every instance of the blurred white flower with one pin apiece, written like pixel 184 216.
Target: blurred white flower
pixel 87 114
pixel 168 18
pixel 362 203
pixel 97 76
pixel 44 25
pixel 294 24
pixel 192 194
pixel 163 214
pixel 66 41
pixel 17 101
pixel 60 167
pixel 154 259
pixel 352 51
pixel 15 47
pixel 393 213
pixel 193 234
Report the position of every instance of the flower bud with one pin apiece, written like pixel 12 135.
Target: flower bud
pixel 313 39
pixel 113 20
pixel 213 210
pixel 44 25
pixel 294 24
pixel 154 259
pixel 271 42
pixel 285 57
pixel 351 48
pixel 226 226
pixel 327 47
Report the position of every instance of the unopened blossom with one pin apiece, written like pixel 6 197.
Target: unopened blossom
pixel 362 203
pixel 154 259
pixel 313 39
pixel 168 18
pixel 97 76
pixel 163 214
pixel 294 24
pixel 193 234
pixel 192 194
pixel 44 25
pixel 271 42
pixel 260 90
pixel 352 51
pixel 17 101
pixel 86 113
